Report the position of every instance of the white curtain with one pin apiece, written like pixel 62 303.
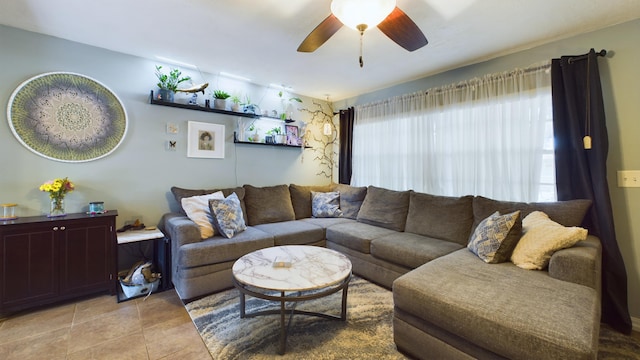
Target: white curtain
pixel 489 136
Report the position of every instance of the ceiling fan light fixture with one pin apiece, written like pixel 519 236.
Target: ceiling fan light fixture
pixel 354 13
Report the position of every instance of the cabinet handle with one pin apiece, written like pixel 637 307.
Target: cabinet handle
pixel 55 228
pixel 62 227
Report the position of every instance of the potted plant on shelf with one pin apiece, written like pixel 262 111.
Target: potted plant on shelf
pixel 220 99
pixel 235 103
pixel 285 104
pixel 255 137
pixel 168 83
pixel 278 135
pixel 248 107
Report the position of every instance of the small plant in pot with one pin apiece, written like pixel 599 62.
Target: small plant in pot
pixel 249 107
pixel 235 103
pixel 220 99
pixel 285 105
pixel 168 83
pixel 278 135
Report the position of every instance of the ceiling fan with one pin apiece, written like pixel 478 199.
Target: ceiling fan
pixel 362 15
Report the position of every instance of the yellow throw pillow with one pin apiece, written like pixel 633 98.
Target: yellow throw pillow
pixel 541 238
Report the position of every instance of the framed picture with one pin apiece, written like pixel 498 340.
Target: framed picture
pixel 205 140
pixel 292 135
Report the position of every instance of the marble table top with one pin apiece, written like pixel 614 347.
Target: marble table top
pixel 302 268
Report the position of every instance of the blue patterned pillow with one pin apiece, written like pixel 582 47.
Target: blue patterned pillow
pixel 227 215
pixel 325 204
pixel 496 236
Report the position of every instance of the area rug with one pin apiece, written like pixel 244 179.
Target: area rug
pixel 367 333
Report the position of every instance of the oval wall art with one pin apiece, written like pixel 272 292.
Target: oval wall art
pixel 67 117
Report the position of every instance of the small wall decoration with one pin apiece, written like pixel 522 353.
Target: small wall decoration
pixel 292 135
pixel 205 140
pixel 67 117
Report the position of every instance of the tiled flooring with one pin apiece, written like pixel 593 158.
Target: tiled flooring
pixel 100 328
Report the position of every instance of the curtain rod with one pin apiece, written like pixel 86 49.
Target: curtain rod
pixel 602 53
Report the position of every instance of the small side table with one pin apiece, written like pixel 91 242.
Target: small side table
pixel 161 255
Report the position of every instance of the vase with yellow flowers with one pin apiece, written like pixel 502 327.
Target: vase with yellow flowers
pixel 57 189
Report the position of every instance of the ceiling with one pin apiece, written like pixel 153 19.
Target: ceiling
pixel 258 39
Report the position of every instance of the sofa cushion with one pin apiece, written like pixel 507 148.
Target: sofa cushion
pixel 179 193
pixel 219 249
pixel 440 217
pixel 325 204
pixel 488 306
pixel 268 204
pixel 385 208
pixel 301 198
pixel 567 213
pixel 294 232
pixel 410 250
pixel 227 215
pixel 356 235
pixel 495 237
pixel 197 209
pixel 351 198
pixel 541 238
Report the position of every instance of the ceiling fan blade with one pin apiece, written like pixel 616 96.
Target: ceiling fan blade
pixel 401 29
pixel 320 34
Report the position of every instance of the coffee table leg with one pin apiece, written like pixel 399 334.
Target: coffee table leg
pixel 283 329
pixel 343 316
pixel 242 305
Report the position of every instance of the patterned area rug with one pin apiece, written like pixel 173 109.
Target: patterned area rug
pixel 367 333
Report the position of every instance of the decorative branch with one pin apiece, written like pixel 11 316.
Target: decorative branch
pixel 325 153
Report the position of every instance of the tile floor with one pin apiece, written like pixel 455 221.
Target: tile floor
pixel 101 328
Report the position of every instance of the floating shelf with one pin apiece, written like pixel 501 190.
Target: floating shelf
pixel 153 101
pixel 236 141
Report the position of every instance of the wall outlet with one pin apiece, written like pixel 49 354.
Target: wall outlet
pixel 629 178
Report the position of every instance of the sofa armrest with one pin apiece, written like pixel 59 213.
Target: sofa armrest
pixel 580 264
pixel 180 229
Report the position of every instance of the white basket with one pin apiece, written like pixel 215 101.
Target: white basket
pixel 133 290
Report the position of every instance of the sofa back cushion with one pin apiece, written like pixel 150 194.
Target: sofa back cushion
pixel 301 198
pixel 440 217
pixel 351 198
pixel 180 193
pixel 385 208
pixel 567 213
pixel 268 204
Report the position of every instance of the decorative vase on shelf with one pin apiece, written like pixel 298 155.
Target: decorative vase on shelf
pixel 57 207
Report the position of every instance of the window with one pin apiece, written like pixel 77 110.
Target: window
pixel 491 137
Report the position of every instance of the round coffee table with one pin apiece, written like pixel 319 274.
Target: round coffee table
pixel 292 274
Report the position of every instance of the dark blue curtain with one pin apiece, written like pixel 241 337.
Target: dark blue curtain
pixel 347 118
pixel 578 110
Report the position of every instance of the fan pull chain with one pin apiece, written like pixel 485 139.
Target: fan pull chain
pixel 361 28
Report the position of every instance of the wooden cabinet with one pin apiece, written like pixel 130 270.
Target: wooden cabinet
pixel 44 260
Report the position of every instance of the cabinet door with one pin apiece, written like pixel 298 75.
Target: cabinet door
pixel 29 266
pixel 86 257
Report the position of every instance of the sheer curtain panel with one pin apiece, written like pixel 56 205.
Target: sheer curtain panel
pixel 490 136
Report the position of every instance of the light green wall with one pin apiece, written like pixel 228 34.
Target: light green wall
pixel 135 179
pixel 620 76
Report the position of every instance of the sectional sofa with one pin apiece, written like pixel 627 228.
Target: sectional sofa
pixel 449 301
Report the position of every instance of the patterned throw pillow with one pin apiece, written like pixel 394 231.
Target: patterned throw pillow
pixel 541 238
pixel 325 204
pixel 197 209
pixel 496 236
pixel 227 215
